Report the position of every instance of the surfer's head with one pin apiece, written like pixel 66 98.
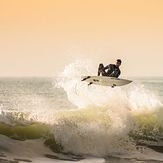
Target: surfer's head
pixel 118 63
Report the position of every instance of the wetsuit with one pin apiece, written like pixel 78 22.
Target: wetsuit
pixel 110 70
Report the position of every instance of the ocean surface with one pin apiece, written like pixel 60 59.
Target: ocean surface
pixel 62 119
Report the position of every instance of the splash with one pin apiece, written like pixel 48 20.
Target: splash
pixel 104 116
pixel 134 96
pixel 94 120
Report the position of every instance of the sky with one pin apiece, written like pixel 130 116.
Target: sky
pixel 41 37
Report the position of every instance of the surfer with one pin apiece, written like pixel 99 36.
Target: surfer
pixel 111 70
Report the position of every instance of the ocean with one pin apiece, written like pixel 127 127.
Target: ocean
pixel 62 119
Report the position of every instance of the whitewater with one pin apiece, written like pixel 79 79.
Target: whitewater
pixel 63 119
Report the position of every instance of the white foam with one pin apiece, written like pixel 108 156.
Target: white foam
pixel 80 135
pixel 133 96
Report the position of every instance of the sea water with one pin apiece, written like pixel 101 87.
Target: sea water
pixel 62 119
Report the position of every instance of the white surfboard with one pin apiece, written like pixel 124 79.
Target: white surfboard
pixel 105 81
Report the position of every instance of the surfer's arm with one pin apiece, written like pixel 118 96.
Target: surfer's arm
pixel 106 67
pixel 118 73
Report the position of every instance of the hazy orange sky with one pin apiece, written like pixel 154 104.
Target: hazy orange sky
pixel 40 37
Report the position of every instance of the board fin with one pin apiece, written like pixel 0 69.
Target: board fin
pixel 113 85
pixel 90 83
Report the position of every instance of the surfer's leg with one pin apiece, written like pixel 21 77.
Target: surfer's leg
pixel 100 69
pixel 101 66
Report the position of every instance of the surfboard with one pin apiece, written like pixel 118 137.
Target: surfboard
pixel 105 81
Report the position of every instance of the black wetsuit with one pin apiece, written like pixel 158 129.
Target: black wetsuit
pixel 110 70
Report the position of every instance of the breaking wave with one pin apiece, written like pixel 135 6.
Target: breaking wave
pixel 100 120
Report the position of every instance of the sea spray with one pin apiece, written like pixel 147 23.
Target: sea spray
pixel 80 119
pixel 81 132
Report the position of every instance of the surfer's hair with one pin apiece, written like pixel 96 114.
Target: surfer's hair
pixel 119 60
